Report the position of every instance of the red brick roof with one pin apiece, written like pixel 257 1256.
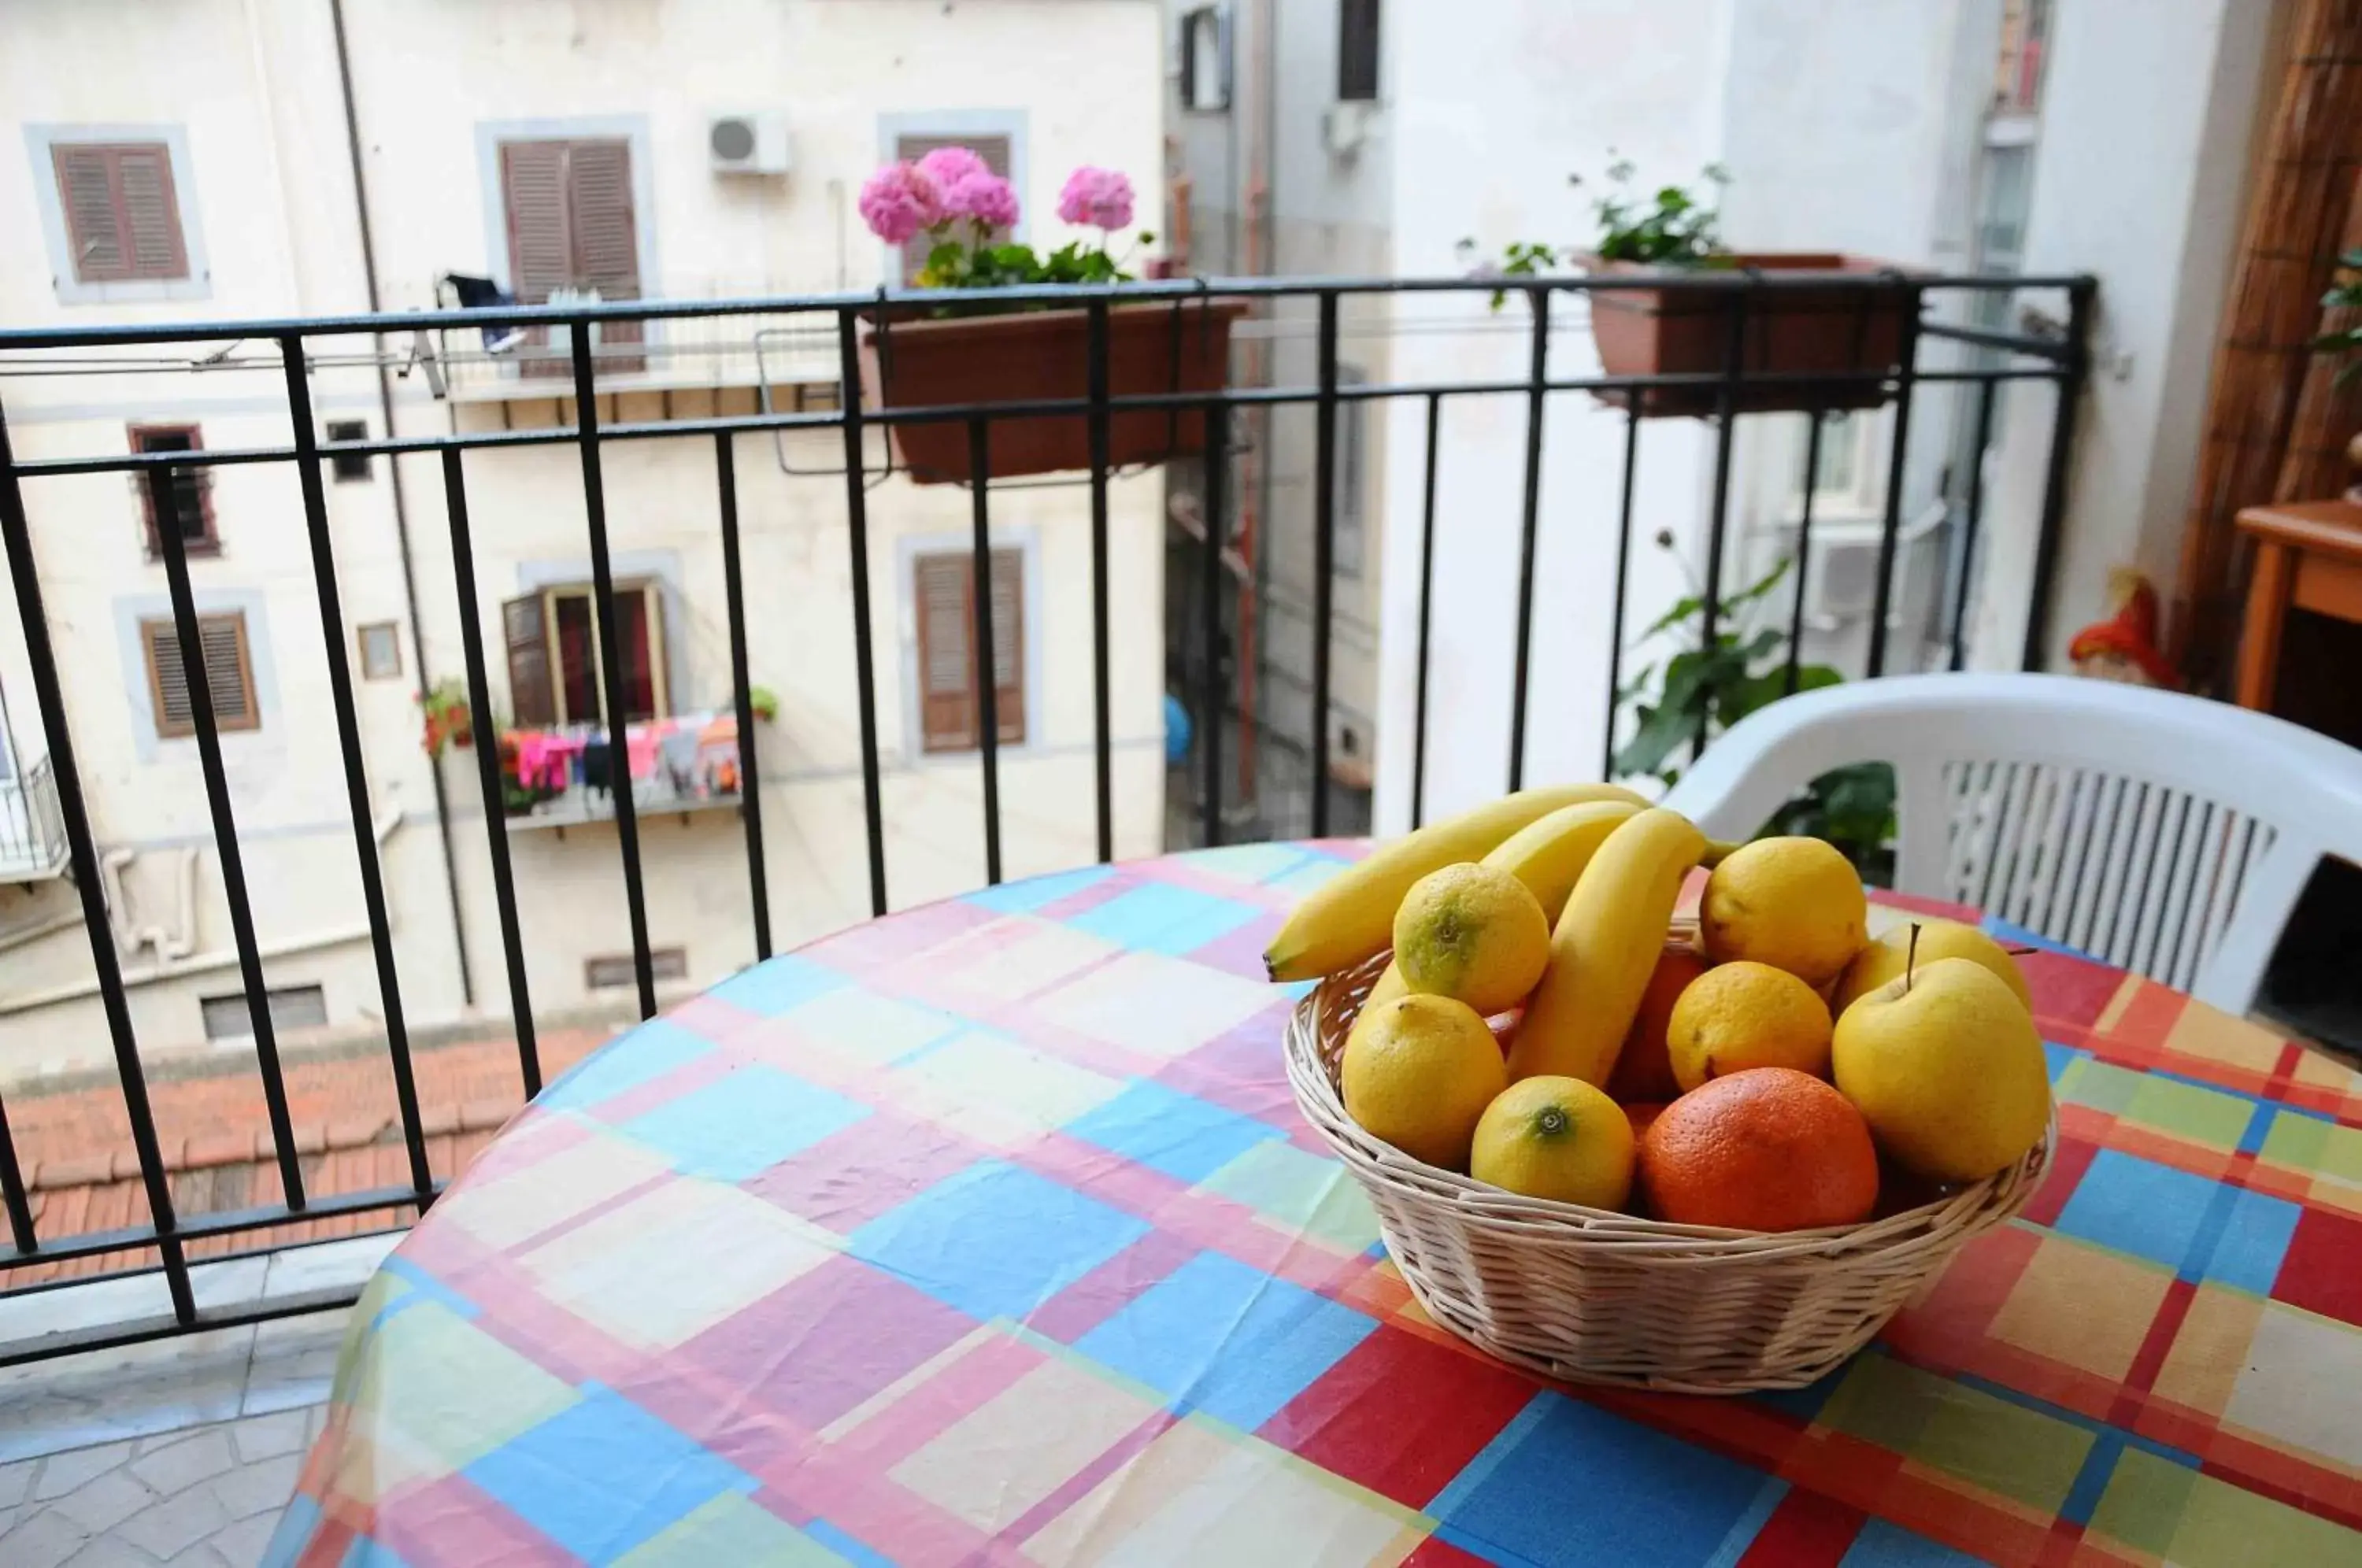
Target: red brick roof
pixel 213 1131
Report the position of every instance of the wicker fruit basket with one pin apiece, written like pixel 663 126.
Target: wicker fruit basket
pixel 1591 1296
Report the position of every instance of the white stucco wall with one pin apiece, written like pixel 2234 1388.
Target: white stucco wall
pixel 253 86
pixel 1483 153
pixel 2149 122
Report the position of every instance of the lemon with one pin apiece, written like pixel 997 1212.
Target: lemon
pixel 1885 959
pixel 1418 1072
pixel 1793 903
pixel 1471 933
pixel 1946 1068
pixel 1557 1138
pixel 1744 1014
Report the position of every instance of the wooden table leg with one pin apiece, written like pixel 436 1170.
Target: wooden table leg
pixel 2260 639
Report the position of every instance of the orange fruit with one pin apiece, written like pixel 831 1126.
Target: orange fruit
pixel 1644 1070
pixel 1767 1149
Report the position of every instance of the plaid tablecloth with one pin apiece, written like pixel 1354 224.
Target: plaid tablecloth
pixel 987 1233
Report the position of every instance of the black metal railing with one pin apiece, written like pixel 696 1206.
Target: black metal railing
pixel 1232 412
pixel 32 829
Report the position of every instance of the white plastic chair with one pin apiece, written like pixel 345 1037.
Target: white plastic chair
pixel 2163 834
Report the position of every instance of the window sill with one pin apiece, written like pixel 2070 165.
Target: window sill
pixel 209 549
pixel 134 290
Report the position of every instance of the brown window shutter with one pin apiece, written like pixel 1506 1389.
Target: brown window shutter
pixel 532 699
pixel 230 674
pixel 533 186
pixel 605 236
pixel 572 225
pixel 1009 645
pixel 123 218
pixel 151 213
pixel 86 190
pixel 993 150
pixel 167 682
pixel 947 674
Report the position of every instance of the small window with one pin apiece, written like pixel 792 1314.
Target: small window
pixel 122 216
pixel 1206 60
pixel 178 498
pixel 381 647
pixel 555 659
pixel 349 467
pixel 230 674
pixel 1352 474
pixel 943 589
pixel 292 1006
pixel 613 971
pixel 993 150
pixel 1357 50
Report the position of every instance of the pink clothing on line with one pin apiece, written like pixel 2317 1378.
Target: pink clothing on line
pixel 642 741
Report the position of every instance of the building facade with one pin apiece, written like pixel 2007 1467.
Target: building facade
pixel 654 148
pixel 1970 136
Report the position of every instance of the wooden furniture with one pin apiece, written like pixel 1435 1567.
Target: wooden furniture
pixel 2307 555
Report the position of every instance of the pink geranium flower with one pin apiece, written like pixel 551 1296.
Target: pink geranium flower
pixel 983 198
pixel 900 200
pixel 947 166
pixel 1097 198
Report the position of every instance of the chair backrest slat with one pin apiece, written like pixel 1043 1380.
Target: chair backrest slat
pixel 2161 834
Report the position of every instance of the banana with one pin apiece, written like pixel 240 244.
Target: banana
pixel 1351 915
pixel 1547 855
pixel 1605 947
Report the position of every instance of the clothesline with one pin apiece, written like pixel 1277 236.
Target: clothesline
pixel 692 750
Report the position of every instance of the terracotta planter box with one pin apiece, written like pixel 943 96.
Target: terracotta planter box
pixel 1183 346
pixel 1788 331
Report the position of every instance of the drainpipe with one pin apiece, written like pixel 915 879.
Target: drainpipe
pixel 393 469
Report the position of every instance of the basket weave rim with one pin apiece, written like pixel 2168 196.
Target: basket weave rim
pixel 1312 1080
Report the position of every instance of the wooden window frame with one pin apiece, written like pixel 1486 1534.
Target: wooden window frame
pixel 168 728
pixel 176 268
pixel 209 543
pixel 1016 727
pixel 545 600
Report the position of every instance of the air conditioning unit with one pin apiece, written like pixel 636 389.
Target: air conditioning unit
pixel 1346 125
pixel 748 144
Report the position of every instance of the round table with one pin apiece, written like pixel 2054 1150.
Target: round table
pixel 987 1233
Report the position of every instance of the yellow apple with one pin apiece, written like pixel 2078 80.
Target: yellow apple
pixel 1884 959
pixel 1946 1068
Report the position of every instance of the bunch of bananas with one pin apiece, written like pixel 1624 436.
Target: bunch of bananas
pixel 1605 865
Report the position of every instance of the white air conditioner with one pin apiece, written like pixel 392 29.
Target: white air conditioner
pixel 1346 125
pixel 748 144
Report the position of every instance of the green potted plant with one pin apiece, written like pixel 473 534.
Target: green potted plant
pixel 1844 328
pixel 1701 692
pixel 443 717
pixel 979 352
pixel 764 704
